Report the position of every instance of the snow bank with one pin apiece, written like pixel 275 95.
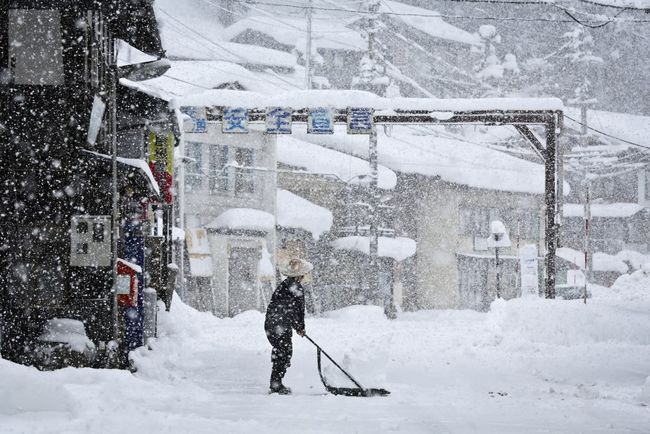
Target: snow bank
pixel 244 219
pixel 295 212
pixel 565 323
pixel 25 389
pixel 635 286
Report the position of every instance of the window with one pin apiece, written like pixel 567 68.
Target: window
pixel 244 178
pixel 219 182
pixel 474 220
pixel 35 49
pixel 525 223
pixel 193 169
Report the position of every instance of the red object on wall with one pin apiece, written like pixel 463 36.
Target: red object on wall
pixel 127 269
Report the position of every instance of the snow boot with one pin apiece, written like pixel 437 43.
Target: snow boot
pixel 280 389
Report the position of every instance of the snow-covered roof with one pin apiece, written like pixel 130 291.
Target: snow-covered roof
pixel 399 248
pixel 187 77
pixel 133 162
pixel 244 219
pixel 601 261
pixel 440 108
pixel 426 21
pixel 131 265
pixel 295 212
pixel 292 31
pixel 633 128
pixel 128 55
pixel 317 159
pixel 602 209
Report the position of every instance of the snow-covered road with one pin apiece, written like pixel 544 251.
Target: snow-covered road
pixel 525 366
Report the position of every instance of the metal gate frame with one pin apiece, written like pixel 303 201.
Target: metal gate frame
pixel 550 152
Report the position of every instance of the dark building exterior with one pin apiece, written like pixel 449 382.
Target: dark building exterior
pixel 73 198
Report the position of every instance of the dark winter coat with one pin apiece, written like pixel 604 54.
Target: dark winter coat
pixel 287 308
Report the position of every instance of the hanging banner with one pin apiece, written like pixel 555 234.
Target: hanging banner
pixel 360 120
pixel 278 120
pixel 235 120
pixel 319 121
pixel 161 161
pixel 199 119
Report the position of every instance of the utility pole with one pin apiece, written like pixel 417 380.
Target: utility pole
pixel 308 48
pixel 587 209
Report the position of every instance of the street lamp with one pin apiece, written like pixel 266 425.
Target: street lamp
pixel 498 238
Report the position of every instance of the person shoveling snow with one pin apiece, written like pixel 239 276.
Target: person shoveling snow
pixel 286 311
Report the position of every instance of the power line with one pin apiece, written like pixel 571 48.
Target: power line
pixel 609 5
pixel 606 134
pixel 594 23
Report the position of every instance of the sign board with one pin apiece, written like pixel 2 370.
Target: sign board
pixel 529 271
pixel 235 120
pixel 161 161
pixel 278 120
pixel 96 117
pixel 360 120
pixel 90 241
pixel 319 121
pixel 199 119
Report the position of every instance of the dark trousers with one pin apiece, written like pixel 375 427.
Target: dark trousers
pixel 280 355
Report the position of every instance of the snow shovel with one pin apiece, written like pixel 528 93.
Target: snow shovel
pixel 346 391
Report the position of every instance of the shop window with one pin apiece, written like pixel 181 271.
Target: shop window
pixel 219 181
pixel 244 178
pixel 35 48
pixel 194 167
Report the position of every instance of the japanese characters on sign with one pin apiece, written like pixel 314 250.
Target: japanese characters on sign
pixel 278 120
pixel 199 119
pixel 235 120
pixel 360 120
pixel 319 121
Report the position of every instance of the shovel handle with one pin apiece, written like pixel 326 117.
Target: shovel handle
pixel 335 364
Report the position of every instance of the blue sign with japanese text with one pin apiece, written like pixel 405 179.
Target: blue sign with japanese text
pixel 278 120
pixel 235 120
pixel 319 121
pixel 198 116
pixel 360 120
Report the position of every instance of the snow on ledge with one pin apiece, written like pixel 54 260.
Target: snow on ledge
pixel 601 261
pixel 133 162
pixel 131 265
pixel 399 248
pixel 602 210
pixel 67 331
pixel 342 99
pixel 295 212
pixel 244 219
